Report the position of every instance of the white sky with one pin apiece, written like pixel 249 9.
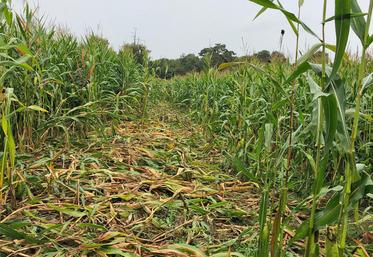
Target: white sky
pixel 170 28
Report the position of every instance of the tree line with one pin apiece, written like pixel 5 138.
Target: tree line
pixel 208 57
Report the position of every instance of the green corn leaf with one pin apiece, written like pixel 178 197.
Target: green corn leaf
pixel 351 16
pixel 187 249
pixel 361 188
pixel 289 16
pixel 329 104
pixel 22 62
pixel 351 112
pixel 293 27
pixel 257 68
pixel 268 133
pixel 4 123
pixel 308 55
pixel 291 23
pixel 8 231
pixel 367 82
pixel 317 68
pixel 68 211
pixel 20 26
pixel 315 89
pixel 331 119
pixel 263 250
pixel 8 16
pixel 311 161
pixel 227 254
pixel 337 88
pixel 241 168
pixel 329 215
pixel 370 41
pixel 24 49
pixel 17 224
pixel 265 3
pixel 358 24
pixel 91 226
pixel 228 65
pixel 342 28
pixel 11 147
pixel 334 49
pixel 263 209
pixel 36 108
pixel 2 6
pixel 114 251
pixel 326 190
pixel 301 68
pixel 328 107
pixel 261 11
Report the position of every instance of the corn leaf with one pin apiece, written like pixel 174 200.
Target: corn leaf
pixel 8 231
pixel 370 41
pixel 268 132
pixel 4 123
pixel 310 53
pixel 68 211
pixel 228 65
pixel 351 16
pixel 334 49
pixel 329 215
pixel 301 68
pixel 36 108
pixel 8 16
pixel 331 118
pixel 265 3
pixel 11 147
pixel 261 11
pixel 291 23
pixel 23 49
pixel 187 249
pixel 227 254
pixel 358 24
pixel 337 88
pixel 342 28
pixel 115 251
pixel 367 82
pixel 289 16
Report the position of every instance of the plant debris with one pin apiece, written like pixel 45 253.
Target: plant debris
pixel 137 192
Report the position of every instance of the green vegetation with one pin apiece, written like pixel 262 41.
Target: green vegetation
pixel 108 153
pixel 208 58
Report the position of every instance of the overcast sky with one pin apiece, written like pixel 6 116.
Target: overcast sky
pixel 170 28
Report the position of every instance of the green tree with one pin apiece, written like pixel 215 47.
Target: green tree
pixel 278 57
pixel 219 54
pixel 140 52
pixel 163 68
pixel 189 63
pixel 263 56
pixel 167 68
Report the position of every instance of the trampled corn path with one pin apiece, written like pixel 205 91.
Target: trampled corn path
pixel 109 152
pixel 145 189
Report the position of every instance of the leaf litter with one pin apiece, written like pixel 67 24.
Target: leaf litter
pixel 153 188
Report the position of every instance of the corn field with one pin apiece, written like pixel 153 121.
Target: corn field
pixel 100 157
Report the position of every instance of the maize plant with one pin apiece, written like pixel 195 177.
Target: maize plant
pixel 252 158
